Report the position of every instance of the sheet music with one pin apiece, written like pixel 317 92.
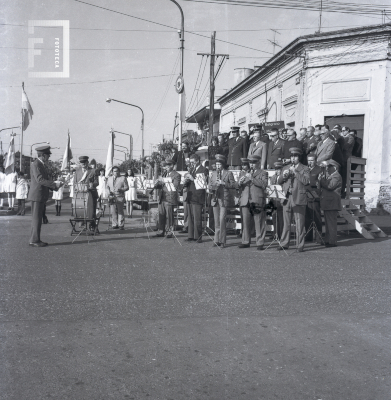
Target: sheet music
pixel 236 173
pixel 149 184
pixel 169 185
pixel 140 182
pixel 200 181
pixel 275 192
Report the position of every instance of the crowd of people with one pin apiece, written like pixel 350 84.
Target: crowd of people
pixel 308 170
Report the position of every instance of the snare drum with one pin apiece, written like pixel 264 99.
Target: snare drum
pixel 80 199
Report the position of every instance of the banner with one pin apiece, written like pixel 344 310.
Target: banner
pixel 10 161
pixel 67 154
pixel 110 155
pixel 27 111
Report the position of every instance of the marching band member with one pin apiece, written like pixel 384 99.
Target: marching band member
pixel 252 202
pixel 195 199
pixel 167 199
pixel 245 166
pixel 330 182
pixel 117 186
pixel 221 180
pixel 277 216
pixel 313 205
pixel 294 177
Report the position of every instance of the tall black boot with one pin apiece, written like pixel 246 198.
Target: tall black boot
pixel 59 210
pixel 56 210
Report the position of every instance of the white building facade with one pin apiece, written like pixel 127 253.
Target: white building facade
pixel 335 77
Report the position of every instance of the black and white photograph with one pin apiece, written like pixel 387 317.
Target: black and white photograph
pixel 195 200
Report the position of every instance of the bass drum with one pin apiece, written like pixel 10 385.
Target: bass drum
pixel 80 200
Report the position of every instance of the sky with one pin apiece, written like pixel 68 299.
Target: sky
pixel 132 60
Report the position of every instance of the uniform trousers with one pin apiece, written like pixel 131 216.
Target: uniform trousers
pixel 185 215
pixel 36 221
pixel 330 218
pixel 195 220
pixel 117 213
pixel 313 207
pixel 220 215
pixel 299 214
pixel 260 226
pixel 166 216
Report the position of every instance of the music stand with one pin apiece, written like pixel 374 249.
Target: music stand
pixel 312 226
pixel 275 195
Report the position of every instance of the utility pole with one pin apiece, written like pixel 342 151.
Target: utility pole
pixel 173 131
pixel 274 43
pixel 320 15
pixel 212 79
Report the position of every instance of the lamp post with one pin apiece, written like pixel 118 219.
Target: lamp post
pixel 130 142
pixel 142 124
pixel 12 127
pixel 182 39
pixel 122 146
pixel 31 147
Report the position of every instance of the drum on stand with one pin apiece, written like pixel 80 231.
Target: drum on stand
pixel 80 199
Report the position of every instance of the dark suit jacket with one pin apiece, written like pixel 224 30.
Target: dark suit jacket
pixel 275 153
pixel 297 184
pixel 222 192
pixel 289 144
pixel 40 183
pixel 237 150
pixel 253 191
pixel 330 192
pixel 314 173
pixel 190 193
pixel 259 149
pixel 179 159
pixel 170 197
pixel 357 148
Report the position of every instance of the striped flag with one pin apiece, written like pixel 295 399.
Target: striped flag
pixel 68 154
pixel 27 111
pixel 110 155
pixel 10 161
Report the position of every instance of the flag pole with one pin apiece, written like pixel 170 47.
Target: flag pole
pixel 21 139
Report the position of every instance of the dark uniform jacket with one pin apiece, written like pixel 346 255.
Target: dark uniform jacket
pixel 330 192
pixel 296 187
pixel 237 150
pixel 90 178
pixel 314 174
pixel 165 195
pixel 222 192
pixel 289 144
pixel 190 193
pixel 275 152
pixel 253 191
pixel 40 183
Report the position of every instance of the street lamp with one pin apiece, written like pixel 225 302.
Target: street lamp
pixel 121 146
pixel 142 123
pixel 182 39
pixel 31 147
pixel 12 127
pixel 121 152
pixel 130 141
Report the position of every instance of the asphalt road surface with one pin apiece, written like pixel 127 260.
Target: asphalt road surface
pixel 125 317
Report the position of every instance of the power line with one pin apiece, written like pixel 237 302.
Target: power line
pixel 108 49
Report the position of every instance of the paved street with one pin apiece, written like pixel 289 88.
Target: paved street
pixel 126 318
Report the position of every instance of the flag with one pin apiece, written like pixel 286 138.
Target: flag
pixel 110 155
pixel 67 155
pixel 10 161
pixel 182 106
pixel 27 111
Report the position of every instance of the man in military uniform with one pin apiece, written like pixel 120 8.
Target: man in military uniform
pixel 237 149
pixel 220 181
pixel 86 175
pixel 39 193
pixel 276 149
pixel 313 206
pixel 292 141
pixel 294 178
pixel 252 203
pixel 277 216
pixel 168 199
pixel 330 200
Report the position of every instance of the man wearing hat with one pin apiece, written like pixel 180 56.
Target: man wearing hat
pixel 117 185
pixel 258 148
pixel 237 148
pixel 39 193
pixel 220 181
pixel 276 149
pixel 313 206
pixel 167 198
pixel 277 216
pixel 252 203
pixel 294 178
pixel 330 200
pixel 86 175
